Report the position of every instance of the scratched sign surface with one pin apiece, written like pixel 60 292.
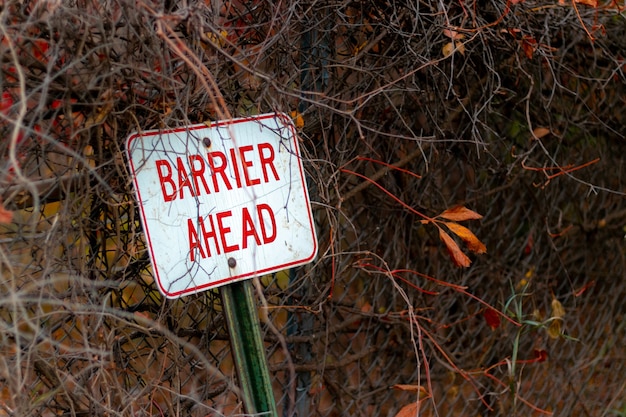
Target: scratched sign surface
pixel 222 202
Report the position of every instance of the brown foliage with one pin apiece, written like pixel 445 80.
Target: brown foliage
pixel 405 110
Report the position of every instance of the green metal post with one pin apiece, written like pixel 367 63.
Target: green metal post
pixel 242 319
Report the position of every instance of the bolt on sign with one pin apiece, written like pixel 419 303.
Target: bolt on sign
pixel 223 202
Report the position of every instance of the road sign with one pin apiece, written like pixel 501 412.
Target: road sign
pixel 223 202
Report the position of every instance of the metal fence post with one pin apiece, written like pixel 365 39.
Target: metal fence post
pixel 247 347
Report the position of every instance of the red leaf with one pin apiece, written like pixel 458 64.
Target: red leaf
pixel 492 318
pixel 584 288
pixel 530 242
pixel 457 256
pixel 540 355
pixel 6 102
pixel 40 50
pixel 459 214
pixel 6 216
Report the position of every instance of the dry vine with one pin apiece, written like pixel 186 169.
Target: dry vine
pixel 406 110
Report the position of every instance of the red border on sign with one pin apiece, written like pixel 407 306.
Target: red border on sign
pixel 286 120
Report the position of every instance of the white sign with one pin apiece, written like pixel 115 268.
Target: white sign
pixel 222 203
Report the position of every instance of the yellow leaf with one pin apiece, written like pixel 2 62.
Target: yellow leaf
pixel 470 239
pixel 447 49
pixel 558 312
pixel 460 46
pixel 554 329
pixel 530 273
pixel 557 309
pixel 451 47
pixel 282 279
pixel 457 256
pixel 218 39
pixel 459 214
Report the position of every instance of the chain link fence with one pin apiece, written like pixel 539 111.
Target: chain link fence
pixel 405 109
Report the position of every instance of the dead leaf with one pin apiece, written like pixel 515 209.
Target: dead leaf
pixel 555 329
pixel 592 3
pixel 458 257
pixel 447 49
pixel 459 214
pixel 298 119
pixel 453 34
pixel 557 309
pixel 540 132
pixel 556 324
pixel 6 216
pixel 409 410
pixel 411 388
pixel 470 239
pixel 219 39
pixel 529 45
pixel 460 46
pixel 317 385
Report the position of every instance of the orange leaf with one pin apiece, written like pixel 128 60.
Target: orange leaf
pixel 411 387
pixel 6 216
pixel 409 410
pixel 540 132
pixel 458 257
pixel 592 3
pixel 298 119
pixel 529 45
pixel 460 213
pixel 468 237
